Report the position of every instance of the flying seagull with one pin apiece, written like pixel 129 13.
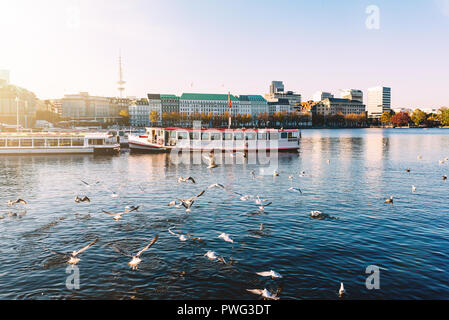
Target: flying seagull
pixel 134 263
pixel 187 203
pixel 211 160
pixel 264 293
pixel 118 216
pixel 262 207
pixel 180 236
pixel 216 185
pixel 211 255
pixel 14 202
pixel 295 189
pixel 73 257
pixel 271 273
pixel 182 179
pixel 83 199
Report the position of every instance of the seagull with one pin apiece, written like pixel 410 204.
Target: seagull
pixel 174 204
pixel 86 184
pixel 262 207
pixel 83 199
pixel 187 203
pixel 259 200
pixel 328 162
pixel 295 189
pixel 407 170
pixel 73 259
pixel 275 173
pixel 253 174
pixel 271 273
pixel 211 255
pixel 180 236
pixel 342 291
pixel 181 179
pixel 264 293
pixel 315 214
pixel 419 157
pixel 134 263
pixel 216 185
pixel 413 188
pixel 444 177
pixel 118 216
pixel 14 202
pixel 211 160
pixel 226 237
pixel 389 200
pixel 440 161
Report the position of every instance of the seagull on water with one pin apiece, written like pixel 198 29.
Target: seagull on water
pixel 187 203
pixel 253 174
pixel 180 236
pixel 83 199
pixel 271 273
pixel 264 293
pixel 342 291
pixel 275 173
pixel 389 200
pixel 211 255
pixel 118 216
pixel 419 157
pixel 225 237
pixel 136 260
pixel 18 201
pixel 407 170
pixel 444 177
pixel 182 179
pixel 73 257
pixel 413 188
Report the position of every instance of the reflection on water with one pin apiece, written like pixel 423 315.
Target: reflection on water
pixel 408 240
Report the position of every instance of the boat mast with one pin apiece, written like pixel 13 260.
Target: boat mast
pixel 230 109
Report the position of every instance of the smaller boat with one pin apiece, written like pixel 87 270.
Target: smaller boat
pixel 19 143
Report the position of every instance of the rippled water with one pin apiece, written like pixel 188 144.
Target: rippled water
pixel 408 240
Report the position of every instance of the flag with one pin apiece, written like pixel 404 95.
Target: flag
pixel 229 100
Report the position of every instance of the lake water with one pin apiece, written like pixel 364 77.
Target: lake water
pixel 408 241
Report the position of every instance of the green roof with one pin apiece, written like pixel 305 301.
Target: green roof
pixel 207 96
pixel 169 96
pixel 250 97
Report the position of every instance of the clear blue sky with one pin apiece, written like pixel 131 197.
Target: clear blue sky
pixel 218 46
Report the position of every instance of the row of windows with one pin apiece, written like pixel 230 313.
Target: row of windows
pixel 40 142
pixel 214 136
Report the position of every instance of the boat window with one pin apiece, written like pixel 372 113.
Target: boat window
pixel 284 135
pixel 227 136
pixel 194 136
pixel 261 136
pixel 96 141
pixel 238 136
pixel 205 136
pixel 79 142
pixel 13 142
pixel 215 136
pixel 26 143
pixel 274 136
pixel 64 142
pixel 250 136
pixel 39 142
pixel 52 142
pixel 2 142
pixel 183 135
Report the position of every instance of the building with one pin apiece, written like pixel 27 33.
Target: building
pixel 306 107
pixel 276 87
pixel 190 103
pixel 379 101
pixel 281 105
pixel 4 78
pixel 139 113
pixel 17 105
pixel 333 106
pixel 169 103
pixel 57 103
pixel 155 104
pixel 277 92
pixel 352 94
pixel 321 95
pixel 253 105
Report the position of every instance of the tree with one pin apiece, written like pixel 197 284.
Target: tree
pixel 124 115
pixel 443 115
pixel 154 116
pixel 386 116
pixel 419 117
pixel 400 119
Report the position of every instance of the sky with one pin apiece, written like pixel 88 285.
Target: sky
pixel 57 47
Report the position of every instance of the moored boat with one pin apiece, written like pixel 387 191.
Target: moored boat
pixel 165 139
pixel 19 143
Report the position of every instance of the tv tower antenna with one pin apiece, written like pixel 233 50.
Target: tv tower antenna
pixel 121 83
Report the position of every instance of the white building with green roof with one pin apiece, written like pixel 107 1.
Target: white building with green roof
pixel 207 103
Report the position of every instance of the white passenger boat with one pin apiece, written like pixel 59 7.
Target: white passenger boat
pixel 18 143
pixel 165 139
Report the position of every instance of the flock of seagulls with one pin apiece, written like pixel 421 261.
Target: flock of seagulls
pixel 73 258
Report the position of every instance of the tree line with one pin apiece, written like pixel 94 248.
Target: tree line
pixel 417 118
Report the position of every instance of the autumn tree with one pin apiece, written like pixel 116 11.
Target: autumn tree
pixel 386 116
pixel 418 117
pixel 400 119
pixel 154 116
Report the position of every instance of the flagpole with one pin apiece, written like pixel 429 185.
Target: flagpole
pixel 230 110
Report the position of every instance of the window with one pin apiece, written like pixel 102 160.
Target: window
pixel 183 135
pixel 194 136
pixel 39 142
pixel 261 136
pixel 284 135
pixel 215 136
pixel 96 141
pixel 205 136
pixel 250 136
pixel 274 136
pixel 2 142
pixel 238 136
pixel 26 143
pixel 64 142
pixel 13 142
pixel 52 142
pixel 227 136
